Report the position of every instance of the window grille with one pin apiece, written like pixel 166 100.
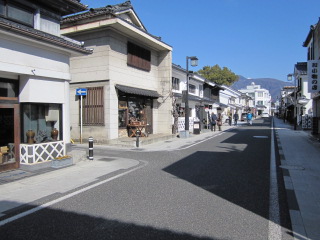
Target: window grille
pixel 93 107
pixel 139 57
pixel 175 83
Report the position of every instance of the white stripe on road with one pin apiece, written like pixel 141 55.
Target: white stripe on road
pixel 216 135
pixel 274 209
pixel 48 204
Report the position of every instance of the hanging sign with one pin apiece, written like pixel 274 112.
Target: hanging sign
pixel 314 76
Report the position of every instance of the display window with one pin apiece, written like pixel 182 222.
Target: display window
pixel 41 122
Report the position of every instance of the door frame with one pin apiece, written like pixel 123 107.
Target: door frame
pixel 16 117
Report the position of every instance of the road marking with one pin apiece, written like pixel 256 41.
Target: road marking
pixel 194 144
pixel 48 204
pixel 274 232
pixel 260 136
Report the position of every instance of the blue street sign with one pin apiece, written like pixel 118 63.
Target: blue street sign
pixel 81 92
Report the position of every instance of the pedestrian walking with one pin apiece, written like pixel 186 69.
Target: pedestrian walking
pixel 219 121
pixel 230 118
pixel 236 117
pixel 213 121
pixel 249 118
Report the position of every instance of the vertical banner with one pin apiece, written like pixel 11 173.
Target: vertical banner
pixel 313 76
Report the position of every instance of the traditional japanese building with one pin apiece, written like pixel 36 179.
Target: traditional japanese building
pixel 34 80
pixel 127 78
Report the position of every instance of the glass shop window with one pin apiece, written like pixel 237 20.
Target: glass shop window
pixel 136 110
pixel 41 123
pixel 123 114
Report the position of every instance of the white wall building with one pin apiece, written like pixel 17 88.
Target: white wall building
pixel 313 52
pixel 261 98
pixel 34 80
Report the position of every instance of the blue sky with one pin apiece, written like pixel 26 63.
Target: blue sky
pixel 253 38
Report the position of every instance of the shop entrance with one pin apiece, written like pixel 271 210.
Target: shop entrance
pixel 9 136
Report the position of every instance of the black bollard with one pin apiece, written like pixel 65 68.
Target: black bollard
pixel 90 148
pixel 138 132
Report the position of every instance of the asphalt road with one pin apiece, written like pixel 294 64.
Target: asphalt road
pixel 217 189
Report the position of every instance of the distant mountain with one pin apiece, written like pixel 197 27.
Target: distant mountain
pixel 273 85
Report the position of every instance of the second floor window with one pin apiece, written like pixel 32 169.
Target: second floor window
pixel 175 83
pixel 139 57
pixel 17 13
pixel 192 88
pixel 260 94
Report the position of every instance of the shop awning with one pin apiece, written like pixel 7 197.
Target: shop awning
pixel 138 91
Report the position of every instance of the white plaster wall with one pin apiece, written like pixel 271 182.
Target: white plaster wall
pixel 181 75
pixel 305 92
pixel 21 57
pixel 42 90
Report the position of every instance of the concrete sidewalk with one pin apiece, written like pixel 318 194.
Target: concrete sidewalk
pixel 20 195
pixel 300 163
pixel 22 188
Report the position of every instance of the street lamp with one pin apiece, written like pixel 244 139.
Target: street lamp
pixel 289 78
pixel 194 63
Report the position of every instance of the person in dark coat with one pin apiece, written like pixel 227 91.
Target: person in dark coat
pixel 236 117
pixel 213 119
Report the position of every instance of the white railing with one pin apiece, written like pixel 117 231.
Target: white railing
pixel 41 152
pixel 181 124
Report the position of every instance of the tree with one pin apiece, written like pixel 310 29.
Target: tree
pixel 217 75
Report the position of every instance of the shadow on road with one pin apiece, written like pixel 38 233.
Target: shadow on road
pixel 237 169
pixel 57 224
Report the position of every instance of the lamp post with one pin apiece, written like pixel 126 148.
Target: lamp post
pixel 194 63
pixel 289 78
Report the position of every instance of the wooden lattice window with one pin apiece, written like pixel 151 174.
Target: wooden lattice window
pixel 93 107
pixel 139 57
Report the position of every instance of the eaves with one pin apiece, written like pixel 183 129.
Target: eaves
pixel 110 21
pixel 40 36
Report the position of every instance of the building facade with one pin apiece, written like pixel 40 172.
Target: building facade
pixel 313 68
pixel 261 98
pixel 127 78
pixel 34 80
pixel 203 98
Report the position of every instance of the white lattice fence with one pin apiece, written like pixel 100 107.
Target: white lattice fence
pixel 41 152
pixel 307 121
pixel 181 124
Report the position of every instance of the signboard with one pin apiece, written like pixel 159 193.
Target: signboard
pixel 314 76
pixel 81 92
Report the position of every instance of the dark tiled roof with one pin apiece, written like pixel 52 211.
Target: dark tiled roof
pixel 302 68
pixel 138 91
pixel 110 9
pixel 40 35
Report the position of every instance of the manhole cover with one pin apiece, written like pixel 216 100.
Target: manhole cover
pixel 292 167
